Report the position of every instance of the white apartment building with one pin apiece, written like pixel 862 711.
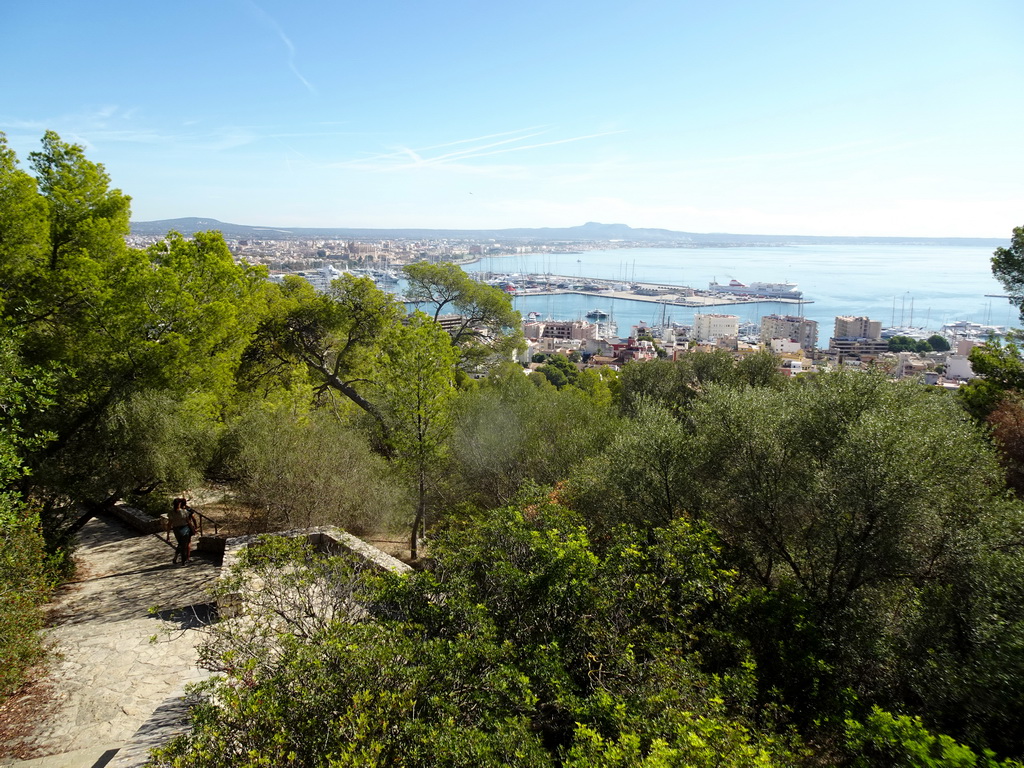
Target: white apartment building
pixel 712 327
pixel 784 346
pixel 560 329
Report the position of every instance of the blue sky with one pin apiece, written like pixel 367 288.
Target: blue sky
pixel 788 117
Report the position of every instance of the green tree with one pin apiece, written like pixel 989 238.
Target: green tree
pixel 938 343
pixel 24 239
pixel 417 385
pixel 1000 370
pixel 522 646
pixel 858 510
pixel 26 573
pixel 85 214
pixel 335 337
pixel 640 477
pixel 300 467
pixel 675 383
pixel 869 526
pixel 488 325
pixel 908 344
pixel 144 371
pixel 761 369
pixel 886 740
pixel 560 371
pixel 116 326
pixel 142 346
pixel 510 432
pixel 1008 268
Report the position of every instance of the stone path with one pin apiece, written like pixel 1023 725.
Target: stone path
pixel 126 631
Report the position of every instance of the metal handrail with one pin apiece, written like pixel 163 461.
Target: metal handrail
pixel 202 517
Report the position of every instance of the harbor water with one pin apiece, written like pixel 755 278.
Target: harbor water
pixel 921 286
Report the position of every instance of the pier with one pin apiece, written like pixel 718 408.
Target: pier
pixel 653 293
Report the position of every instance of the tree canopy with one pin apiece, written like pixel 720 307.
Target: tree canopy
pixel 487 325
pixel 1008 268
pixel 686 563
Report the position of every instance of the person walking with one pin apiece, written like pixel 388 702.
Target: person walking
pixel 182 521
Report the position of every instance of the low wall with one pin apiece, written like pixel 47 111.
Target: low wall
pixel 328 540
pixel 138 520
pixel 171 718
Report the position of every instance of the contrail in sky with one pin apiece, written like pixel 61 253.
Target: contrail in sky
pixel 272 23
pixel 417 156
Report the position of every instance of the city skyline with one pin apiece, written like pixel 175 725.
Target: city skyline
pixel 794 118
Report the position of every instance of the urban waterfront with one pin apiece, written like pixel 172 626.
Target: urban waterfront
pixel 923 286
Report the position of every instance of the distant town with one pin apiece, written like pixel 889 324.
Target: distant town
pixel 319 257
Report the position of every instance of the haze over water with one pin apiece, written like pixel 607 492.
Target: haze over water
pixel 920 285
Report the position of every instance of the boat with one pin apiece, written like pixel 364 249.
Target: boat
pixel 918 334
pixel 764 290
pixel 965 329
pixel 385 277
pixel 597 314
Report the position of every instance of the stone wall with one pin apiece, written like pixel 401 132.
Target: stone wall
pixel 171 717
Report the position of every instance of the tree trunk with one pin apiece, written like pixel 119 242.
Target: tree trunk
pixel 91 511
pixel 417 523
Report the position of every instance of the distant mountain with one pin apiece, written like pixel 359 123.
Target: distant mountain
pixel 591 232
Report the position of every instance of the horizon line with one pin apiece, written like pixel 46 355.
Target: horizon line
pixel 539 230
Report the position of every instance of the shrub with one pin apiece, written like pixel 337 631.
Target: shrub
pixel 313 470
pixel 24 586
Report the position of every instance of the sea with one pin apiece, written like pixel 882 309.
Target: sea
pixel 908 286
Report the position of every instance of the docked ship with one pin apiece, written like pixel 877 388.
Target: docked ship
pixel 765 290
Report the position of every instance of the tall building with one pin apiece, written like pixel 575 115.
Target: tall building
pixel 858 336
pixel 799 329
pixel 712 327
pixel 848 327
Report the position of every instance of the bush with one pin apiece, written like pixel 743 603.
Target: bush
pixel 522 647
pixel 313 470
pixel 24 586
pixel 895 741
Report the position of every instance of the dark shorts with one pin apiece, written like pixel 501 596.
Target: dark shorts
pixel 182 533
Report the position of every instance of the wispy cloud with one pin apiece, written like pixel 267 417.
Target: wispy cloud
pixel 271 22
pixel 404 152
pixel 403 157
pixel 106 123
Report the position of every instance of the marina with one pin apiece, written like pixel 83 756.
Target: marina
pixel 920 286
pixel 953 292
pixel 653 293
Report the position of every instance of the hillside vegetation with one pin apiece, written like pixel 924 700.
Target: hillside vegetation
pixel 691 563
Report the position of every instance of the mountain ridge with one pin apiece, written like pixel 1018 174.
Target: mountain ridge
pixel 591 231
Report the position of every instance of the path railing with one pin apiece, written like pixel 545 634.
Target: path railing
pixel 202 517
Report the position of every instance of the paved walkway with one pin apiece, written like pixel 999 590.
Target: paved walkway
pixel 125 631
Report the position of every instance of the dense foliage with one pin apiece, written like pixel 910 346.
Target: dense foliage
pixel 524 645
pixel 26 570
pixel 686 563
pixel 934 343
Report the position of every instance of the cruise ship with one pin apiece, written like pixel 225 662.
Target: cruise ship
pixel 767 290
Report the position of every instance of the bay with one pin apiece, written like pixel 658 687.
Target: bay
pixel 923 286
